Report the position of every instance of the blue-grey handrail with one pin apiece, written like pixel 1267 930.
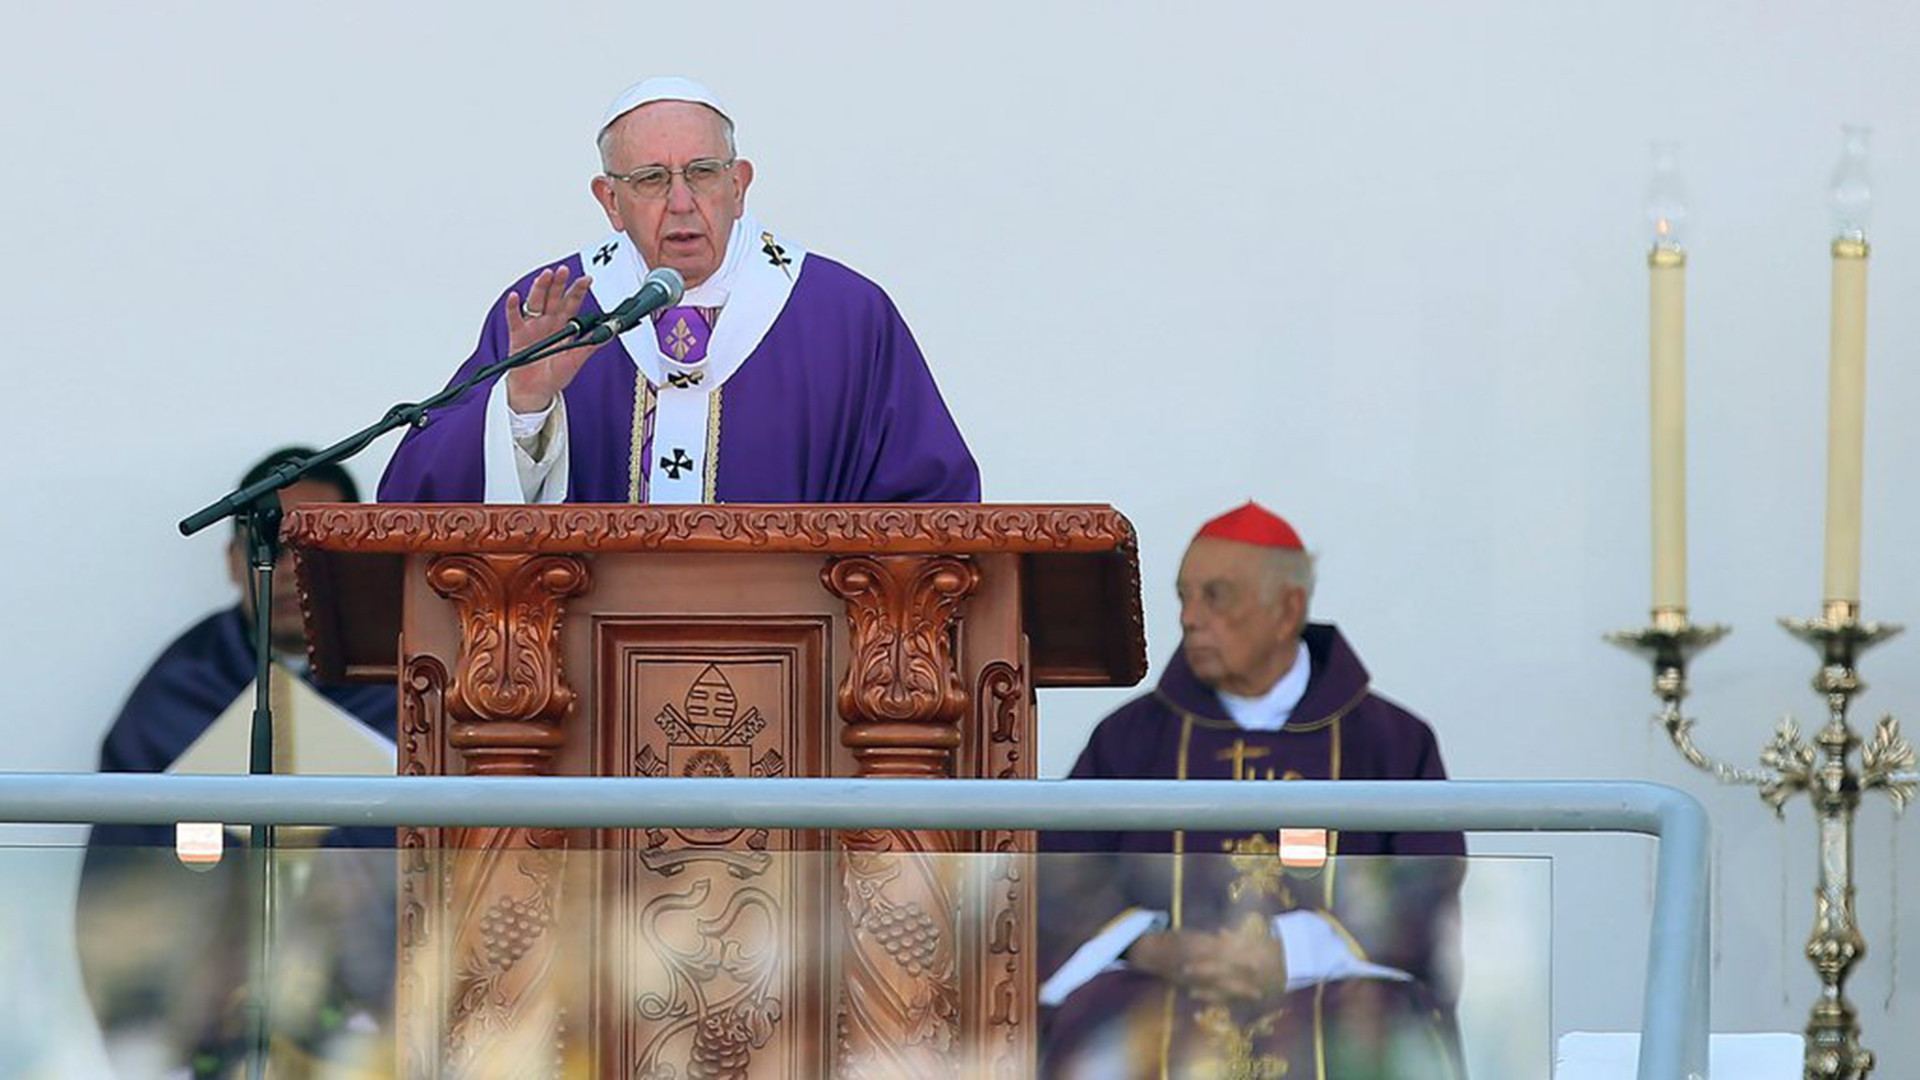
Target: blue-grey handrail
pixel 1673 1043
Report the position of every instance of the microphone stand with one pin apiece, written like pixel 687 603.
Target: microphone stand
pixel 263 551
pixel 260 503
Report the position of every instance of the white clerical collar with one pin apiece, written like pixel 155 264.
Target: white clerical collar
pixel 1271 710
pixel 718 289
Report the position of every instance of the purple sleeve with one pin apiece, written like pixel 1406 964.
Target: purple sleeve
pixel 445 461
pixel 1412 921
pixel 1427 765
pixel 913 449
pixel 191 682
pixel 1083 883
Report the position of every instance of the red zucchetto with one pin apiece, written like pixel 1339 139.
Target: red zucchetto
pixel 1253 524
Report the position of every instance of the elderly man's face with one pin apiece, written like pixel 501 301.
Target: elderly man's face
pixel 686 229
pixel 1237 632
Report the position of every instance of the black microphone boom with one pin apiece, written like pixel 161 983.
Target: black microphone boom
pixel 662 288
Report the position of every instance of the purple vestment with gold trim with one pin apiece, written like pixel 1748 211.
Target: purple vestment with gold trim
pixel 836 404
pixel 1397 912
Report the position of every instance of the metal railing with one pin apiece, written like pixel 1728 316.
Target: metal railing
pixel 1673 1042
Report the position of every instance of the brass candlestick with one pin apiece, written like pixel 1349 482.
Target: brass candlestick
pixel 1825 771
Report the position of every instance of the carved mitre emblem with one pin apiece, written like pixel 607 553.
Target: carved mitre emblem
pixel 709 735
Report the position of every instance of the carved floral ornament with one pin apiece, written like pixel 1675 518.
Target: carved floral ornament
pixel 510 693
pixel 902 697
pixel 905 529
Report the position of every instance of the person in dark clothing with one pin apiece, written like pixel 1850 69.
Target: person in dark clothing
pixel 1273 954
pixel 163 947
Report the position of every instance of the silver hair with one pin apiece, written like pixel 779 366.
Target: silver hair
pixel 1287 567
pixel 606 133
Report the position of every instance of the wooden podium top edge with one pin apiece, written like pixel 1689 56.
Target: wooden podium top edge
pixel 824 528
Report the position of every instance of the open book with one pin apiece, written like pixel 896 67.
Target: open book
pixel 311 737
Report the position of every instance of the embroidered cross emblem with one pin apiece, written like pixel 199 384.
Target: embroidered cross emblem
pixel 685 380
pixel 1234 1052
pixel 1256 869
pixel 776 254
pixel 1240 755
pixel 681 341
pixel 676 464
pixel 605 254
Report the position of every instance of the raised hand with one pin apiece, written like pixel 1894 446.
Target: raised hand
pixel 549 303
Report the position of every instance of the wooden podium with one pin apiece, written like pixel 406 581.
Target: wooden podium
pixel 873 641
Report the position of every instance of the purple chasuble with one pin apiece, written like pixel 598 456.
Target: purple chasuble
pixel 1400 911
pixel 834 405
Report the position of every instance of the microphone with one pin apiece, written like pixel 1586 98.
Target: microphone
pixel 662 288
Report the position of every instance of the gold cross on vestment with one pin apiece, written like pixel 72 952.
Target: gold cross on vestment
pixel 1240 754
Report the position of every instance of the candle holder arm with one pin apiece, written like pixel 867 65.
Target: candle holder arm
pixel 1680 730
pixel 1886 762
pixel 1670 645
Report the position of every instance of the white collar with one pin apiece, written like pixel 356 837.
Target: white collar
pixel 1271 710
pixel 718 288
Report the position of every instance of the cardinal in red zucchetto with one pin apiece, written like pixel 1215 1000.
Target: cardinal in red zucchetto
pixel 1296 952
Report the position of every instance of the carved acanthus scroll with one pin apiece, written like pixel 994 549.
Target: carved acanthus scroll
pixel 902 700
pixel 509 693
pixel 505 893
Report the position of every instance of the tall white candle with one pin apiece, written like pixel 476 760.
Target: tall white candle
pixel 1667 352
pixel 1667 269
pixel 1847 371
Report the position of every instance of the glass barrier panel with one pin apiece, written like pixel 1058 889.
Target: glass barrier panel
pixel 693 954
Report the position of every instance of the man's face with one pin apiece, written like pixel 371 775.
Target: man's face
pixel 288 631
pixel 1236 633
pixel 686 228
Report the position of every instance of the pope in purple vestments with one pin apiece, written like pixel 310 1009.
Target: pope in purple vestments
pixel 781 376
pixel 1297 952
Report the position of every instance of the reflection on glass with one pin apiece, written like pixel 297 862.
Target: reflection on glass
pixel 527 958
pixel 1250 964
pixel 164 956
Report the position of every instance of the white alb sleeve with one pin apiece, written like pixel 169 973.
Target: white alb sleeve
pixel 1317 952
pixel 1101 953
pixel 525 453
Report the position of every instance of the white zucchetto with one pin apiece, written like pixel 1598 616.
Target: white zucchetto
pixel 660 88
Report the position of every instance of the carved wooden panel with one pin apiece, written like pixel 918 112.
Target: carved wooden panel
pixel 507 996
pixel 496 988
pixel 1000 949
pixel 421 990
pixel 901 700
pixel 712 952
pixel 714 934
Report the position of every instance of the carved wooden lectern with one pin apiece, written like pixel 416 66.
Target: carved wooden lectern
pixel 871 641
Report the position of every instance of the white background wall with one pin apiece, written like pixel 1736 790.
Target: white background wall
pixel 1380 266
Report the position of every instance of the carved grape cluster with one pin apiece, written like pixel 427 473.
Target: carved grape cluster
pixel 908 934
pixel 509 929
pixel 721 1049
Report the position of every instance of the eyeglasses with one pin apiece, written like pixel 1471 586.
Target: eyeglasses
pixel 704 176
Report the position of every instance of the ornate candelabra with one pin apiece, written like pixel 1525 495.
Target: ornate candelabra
pixel 1825 771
